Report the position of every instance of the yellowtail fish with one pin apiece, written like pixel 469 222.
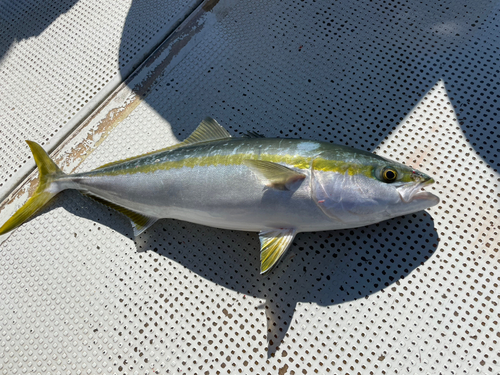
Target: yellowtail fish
pixel 277 187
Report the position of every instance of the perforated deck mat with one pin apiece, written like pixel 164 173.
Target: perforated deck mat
pixel 415 295
pixel 59 60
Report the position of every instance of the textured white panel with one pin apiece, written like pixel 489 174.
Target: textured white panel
pixel 59 60
pixel 418 294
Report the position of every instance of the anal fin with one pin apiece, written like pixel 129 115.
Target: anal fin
pixel 139 221
pixel 273 245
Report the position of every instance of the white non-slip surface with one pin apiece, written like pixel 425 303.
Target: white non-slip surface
pixel 59 59
pixel 414 82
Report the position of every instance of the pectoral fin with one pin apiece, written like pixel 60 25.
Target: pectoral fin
pixel 139 222
pixel 278 176
pixel 273 245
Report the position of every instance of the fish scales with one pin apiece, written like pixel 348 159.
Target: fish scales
pixel 208 184
pixel 277 187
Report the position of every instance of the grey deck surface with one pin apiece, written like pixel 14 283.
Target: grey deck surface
pixel 415 82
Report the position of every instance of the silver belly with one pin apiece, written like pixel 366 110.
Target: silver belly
pixel 229 197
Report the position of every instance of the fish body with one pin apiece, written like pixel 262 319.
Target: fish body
pixel 277 187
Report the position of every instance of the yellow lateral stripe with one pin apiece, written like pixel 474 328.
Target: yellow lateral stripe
pixel 206 161
pixel 208 130
pixel 299 162
pixel 342 167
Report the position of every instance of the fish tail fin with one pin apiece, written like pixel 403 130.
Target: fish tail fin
pixel 48 172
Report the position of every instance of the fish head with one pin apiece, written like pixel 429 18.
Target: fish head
pixel 361 188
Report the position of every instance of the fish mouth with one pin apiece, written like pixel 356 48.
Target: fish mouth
pixel 414 192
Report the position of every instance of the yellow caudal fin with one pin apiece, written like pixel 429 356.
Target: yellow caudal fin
pixel 48 172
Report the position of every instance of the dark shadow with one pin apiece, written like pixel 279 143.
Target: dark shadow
pixel 79 205
pixel 331 80
pixel 146 27
pixel 335 67
pixel 324 268
pixel 331 267
pixel 25 19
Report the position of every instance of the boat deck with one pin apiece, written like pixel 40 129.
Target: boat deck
pixel 95 81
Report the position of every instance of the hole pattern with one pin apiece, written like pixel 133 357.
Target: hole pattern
pixel 54 59
pixel 417 294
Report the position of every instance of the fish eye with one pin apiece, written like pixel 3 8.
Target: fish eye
pixel 389 175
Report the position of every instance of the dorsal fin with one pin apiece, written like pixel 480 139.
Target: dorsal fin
pixel 208 130
pixel 252 134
